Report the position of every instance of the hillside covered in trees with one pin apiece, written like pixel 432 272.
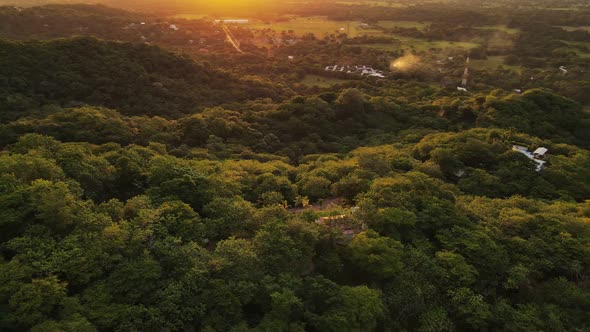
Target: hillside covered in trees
pixel 168 185
pixel 136 79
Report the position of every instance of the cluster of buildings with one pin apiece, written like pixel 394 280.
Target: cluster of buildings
pixel 537 156
pixel 359 70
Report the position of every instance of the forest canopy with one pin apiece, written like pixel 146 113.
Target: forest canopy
pixel 160 172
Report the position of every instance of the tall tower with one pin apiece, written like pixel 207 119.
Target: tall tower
pixel 465 73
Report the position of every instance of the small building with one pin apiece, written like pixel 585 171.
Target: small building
pixel 540 153
pixel 174 27
pixel 563 70
pixel 535 156
pixel 462 89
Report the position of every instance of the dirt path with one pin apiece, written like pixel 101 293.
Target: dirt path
pixel 235 43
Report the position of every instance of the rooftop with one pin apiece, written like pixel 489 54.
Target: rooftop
pixel 533 156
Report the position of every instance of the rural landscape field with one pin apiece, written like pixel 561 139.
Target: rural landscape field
pixel 328 165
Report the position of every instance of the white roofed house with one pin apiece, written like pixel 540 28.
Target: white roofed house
pixel 536 156
pixel 540 153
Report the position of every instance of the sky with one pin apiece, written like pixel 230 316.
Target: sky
pixel 235 6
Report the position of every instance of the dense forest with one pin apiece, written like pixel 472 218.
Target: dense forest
pixel 154 178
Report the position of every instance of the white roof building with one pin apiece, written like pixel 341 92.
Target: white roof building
pixel 540 152
pixel 563 70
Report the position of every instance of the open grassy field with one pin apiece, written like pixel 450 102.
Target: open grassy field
pixel 382 47
pixel 492 62
pixel 572 28
pixel 190 16
pixel 575 47
pixel 403 24
pixel 319 26
pixel 502 28
pixel 425 45
pixel 320 81
pixel 420 45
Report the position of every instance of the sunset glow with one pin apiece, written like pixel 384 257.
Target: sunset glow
pixel 294 165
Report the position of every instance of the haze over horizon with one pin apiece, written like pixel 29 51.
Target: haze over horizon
pixel 296 166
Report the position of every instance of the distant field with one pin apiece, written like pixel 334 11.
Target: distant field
pixel 382 47
pixel 320 81
pixel 319 26
pixel 403 24
pixel 370 3
pixel 492 62
pixel 190 16
pixel 580 53
pixel 424 45
pixel 565 8
pixel 502 28
pixel 420 45
pixel 572 28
